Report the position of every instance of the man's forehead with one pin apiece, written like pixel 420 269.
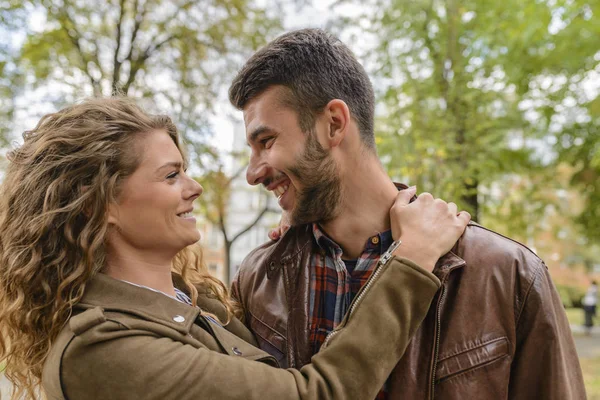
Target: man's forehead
pixel 264 117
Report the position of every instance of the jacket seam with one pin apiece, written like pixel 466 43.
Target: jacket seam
pixel 505 237
pixel 265 339
pixel 473 348
pixel 238 289
pixel 60 370
pixel 298 251
pixel 265 324
pixel 526 298
pixel 474 368
pixel 118 323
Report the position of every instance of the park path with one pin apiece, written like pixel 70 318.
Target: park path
pixel 588 346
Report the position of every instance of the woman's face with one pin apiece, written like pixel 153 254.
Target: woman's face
pixel 154 208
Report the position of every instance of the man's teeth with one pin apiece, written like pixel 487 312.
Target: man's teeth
pixel 185 215
pixel 279 190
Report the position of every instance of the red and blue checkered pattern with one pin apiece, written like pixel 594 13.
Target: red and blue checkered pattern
pixel 335 282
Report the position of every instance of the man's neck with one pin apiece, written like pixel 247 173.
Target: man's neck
pixel 143 269
pixel 365 210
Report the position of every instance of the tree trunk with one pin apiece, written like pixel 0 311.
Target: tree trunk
pixel 227 264
pixel 471 200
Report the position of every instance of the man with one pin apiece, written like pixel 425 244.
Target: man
pixel 497 328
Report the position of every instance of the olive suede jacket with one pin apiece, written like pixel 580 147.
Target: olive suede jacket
pixel 128 342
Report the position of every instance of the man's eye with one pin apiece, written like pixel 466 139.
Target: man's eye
pixel 267 142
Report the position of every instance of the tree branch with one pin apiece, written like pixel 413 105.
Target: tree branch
pixel 139 19
pixel 251 225
pixel 116 62
pixel 223 228
pixel 438 60
pixel 138 63
pixel 75 37
pixel 237 173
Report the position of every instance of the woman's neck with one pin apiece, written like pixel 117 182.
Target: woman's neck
pixel 135 269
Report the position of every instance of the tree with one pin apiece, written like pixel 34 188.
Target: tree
pixel 178 54
pixel 461 86
pixel 215 203
pixel 11 17
pixel 572 114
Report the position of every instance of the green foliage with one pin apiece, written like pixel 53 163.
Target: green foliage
pixel 476 92
pixel 177 55
pixel 12 15
pixel 570 296
pixel 579 145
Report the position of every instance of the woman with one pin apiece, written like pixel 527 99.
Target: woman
pixel 102 295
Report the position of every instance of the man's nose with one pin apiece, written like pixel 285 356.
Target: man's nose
pixel 256 172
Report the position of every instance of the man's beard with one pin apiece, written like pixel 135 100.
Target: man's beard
pixel 320 197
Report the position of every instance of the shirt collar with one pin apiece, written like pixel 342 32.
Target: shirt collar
pixel 377 243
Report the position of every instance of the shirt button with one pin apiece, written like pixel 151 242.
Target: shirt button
pixel 236 351
pixel 375 239
pixel 179 318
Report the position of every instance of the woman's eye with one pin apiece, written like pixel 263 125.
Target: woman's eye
pixel 173 175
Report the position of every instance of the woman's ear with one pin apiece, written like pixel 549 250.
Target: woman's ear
pixel 113 214
pixel 89 208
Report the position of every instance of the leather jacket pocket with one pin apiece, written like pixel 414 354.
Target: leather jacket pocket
pixel 269 340
pixel 471 359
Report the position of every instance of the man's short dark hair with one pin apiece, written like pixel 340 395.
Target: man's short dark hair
pixel 315 67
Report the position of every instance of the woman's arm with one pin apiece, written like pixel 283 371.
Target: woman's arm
pixel 117 363
pixel 111 361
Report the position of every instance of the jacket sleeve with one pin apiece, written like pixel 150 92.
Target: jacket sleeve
pixel 354 364
pixel 235 289
pixel 545 364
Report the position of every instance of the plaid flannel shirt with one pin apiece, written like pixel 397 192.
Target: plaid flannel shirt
pixel 334 283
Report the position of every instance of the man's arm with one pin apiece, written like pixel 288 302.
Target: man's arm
pixel 545 365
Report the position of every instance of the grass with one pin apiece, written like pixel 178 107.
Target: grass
pixel 591 377
pixel 589 366
pixel 575 316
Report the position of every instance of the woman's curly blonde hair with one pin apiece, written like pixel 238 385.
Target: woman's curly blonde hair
pixel 53 225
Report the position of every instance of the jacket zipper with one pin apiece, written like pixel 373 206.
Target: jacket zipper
pixel 354 303
pixel 438 330
pixel 291 352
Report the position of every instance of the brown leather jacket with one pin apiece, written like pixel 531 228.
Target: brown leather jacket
pixel 496 329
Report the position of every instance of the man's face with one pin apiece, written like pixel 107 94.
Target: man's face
pixel 290 163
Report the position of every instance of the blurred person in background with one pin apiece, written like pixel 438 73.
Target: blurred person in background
pixel 103 293
pixel 496 329
pixel 590 302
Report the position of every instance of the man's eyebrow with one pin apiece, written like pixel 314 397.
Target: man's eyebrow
pixel 176 164
pixel 257 132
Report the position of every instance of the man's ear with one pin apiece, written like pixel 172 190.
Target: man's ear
pixel 337 116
